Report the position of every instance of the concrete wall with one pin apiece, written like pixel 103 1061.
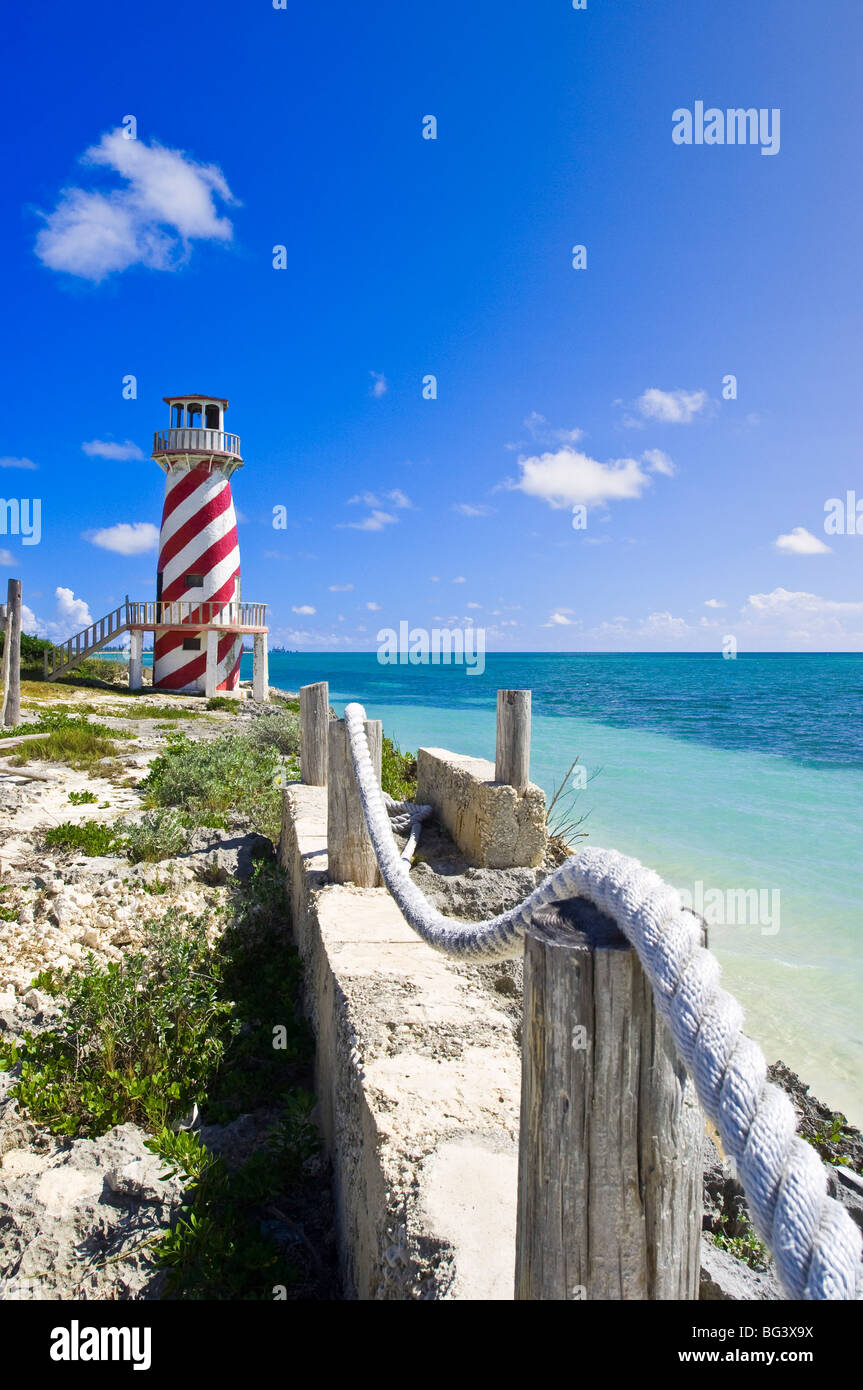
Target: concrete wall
pixel 418 1084
pixel 493 825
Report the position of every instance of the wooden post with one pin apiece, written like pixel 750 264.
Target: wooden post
pixel 12 705
pixel 4 670
pixel 314 722
pixel 350 854
pixel 610 1169
pixel 512 756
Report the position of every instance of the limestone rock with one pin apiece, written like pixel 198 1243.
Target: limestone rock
pixel 725 1278
pixel 64 1213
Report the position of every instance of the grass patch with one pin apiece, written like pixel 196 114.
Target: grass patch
pixel 225 702
pixel 398 771
pixel 78 748
pixel 170 712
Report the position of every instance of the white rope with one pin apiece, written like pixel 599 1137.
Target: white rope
pixel 407 817
pixel 815 1244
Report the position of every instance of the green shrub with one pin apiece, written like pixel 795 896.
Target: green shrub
pixel 137 1041
pixel 92 837
pixel 398 771
pixel 159 835
pixel 82 798
pixel 213 779
pixel 227 702
pixel 278 729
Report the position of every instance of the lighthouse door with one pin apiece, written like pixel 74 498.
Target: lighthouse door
pixel 159 596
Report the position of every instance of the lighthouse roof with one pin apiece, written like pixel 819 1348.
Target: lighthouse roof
pixel 195 396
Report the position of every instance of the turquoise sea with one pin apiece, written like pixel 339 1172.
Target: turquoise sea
pixel 737 775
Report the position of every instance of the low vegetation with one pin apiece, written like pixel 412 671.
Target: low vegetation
pixel 235 776
pixel 91 837
pixel 205 1015
pixel 398 771
pixel 82 798
pixel 159 835
pixel 225 702
pixel 745 1246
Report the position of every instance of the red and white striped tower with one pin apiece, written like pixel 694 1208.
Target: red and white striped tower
pixel 199 553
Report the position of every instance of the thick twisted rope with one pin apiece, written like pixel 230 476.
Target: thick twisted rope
pixel 814 1242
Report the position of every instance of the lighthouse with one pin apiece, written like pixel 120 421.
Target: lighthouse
pixel 198 638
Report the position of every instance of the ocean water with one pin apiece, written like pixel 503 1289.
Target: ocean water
pixel 736 775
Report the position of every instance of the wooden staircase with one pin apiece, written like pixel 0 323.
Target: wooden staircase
pixel 66 655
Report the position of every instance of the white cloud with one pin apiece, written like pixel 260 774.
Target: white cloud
pixel 663 625
pixel 108 449
pixel 785 603
pixel 659 462
pixel 7 558
pixel 558 619
pixel 380 385
pixel 72 615
pixel 126 538
pixel 459 579
pixel 304 609
pixel 714 603
pixel 474 605
pixel 168 201
pixel 799 541
pixel 373 607
pixel 542 431
pixel 17 463
pixel 671 407
pixel 569 476
pixel 375 522
pixel 378 518
pixel 396 498
pixel 340 588
pixel 469 509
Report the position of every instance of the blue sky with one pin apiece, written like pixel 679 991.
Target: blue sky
pixel 602 386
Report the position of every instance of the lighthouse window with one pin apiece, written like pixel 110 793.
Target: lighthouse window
pixel 194 414
pixel 191 644
pixel 212 414
pixel 176 416
pixel 193 581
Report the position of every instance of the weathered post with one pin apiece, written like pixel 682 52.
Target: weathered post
pixel 4 669
pixel 314 722
pixel 512 756
pixel 351 857
pixel 610 1171
pixel 12 706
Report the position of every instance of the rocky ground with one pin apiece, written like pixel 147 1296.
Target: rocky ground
pixel 78 1218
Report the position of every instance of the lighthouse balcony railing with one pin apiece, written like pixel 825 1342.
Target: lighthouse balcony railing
pixel 197 613
pixel 193 441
